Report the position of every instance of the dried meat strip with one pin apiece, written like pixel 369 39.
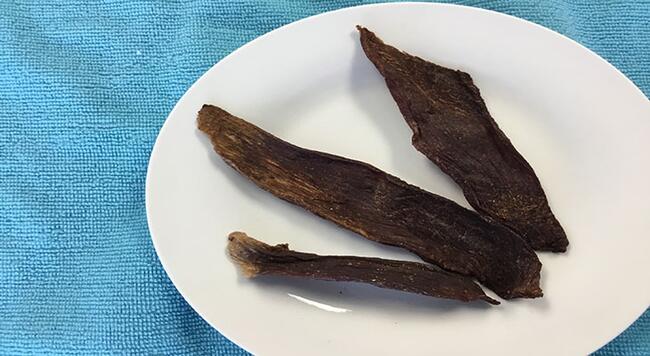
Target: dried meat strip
pixel 257 258
pixel 453 128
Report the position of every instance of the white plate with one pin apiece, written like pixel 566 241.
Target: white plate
pixel 581 124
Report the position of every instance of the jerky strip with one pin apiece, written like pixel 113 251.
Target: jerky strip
pixel 377 205
pixel 453 128
pixel 257 258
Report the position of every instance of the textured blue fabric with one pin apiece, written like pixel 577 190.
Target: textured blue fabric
pixel 84 88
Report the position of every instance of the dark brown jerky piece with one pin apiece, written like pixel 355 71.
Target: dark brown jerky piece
pixel 453 128
pixel 377 205
pixel 257 258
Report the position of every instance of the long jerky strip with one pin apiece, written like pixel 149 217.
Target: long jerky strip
pixel 257 258
pixel 377 205
pixel 453 128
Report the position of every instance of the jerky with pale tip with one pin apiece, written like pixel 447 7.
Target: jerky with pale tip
pixel 257 258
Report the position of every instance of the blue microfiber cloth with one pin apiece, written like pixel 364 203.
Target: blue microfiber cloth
pixel 85 87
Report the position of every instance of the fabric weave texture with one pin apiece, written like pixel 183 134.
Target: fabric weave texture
pixel 84 88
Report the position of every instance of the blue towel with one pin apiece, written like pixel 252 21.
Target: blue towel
pixel 85 87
